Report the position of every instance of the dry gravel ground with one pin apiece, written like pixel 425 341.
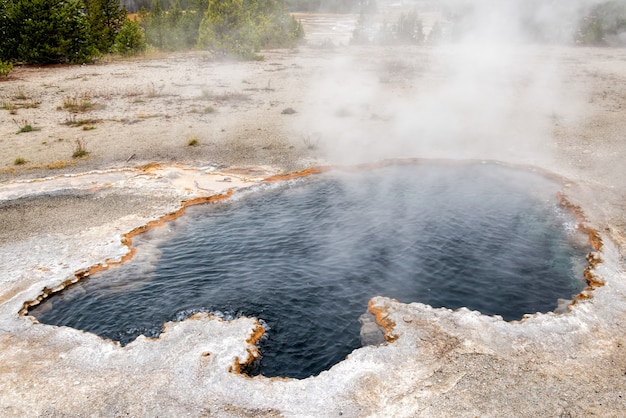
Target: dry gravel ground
pixel 559 108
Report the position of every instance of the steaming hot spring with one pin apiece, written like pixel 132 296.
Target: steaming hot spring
pixel 305 256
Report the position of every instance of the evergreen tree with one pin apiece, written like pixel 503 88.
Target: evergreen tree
pixel 8 32
pixel 106 18
pixel 130 40
pixel 242 27
pixel 191 19
pixel 227 28
pixel 153 23
pixel 605 24
pixel 49 31
pixel 275 27
pixel 409 29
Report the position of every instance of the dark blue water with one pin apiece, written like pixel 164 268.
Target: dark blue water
pixel 306 257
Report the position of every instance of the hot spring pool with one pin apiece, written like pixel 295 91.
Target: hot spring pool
pixel 306 256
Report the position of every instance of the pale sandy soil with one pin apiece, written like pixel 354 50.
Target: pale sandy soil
pixel 352 105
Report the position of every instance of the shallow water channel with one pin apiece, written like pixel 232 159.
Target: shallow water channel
pixel 305 257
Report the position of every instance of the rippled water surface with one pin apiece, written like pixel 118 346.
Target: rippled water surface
pixel 305 257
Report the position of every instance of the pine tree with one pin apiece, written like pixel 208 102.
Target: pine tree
pixel 242 27
pixel 8 32
pixel 50 31
pixel 106 18
pixel 130 40
pixel 153 23
pixel 227 28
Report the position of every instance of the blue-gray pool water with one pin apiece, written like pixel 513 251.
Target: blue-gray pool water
pixel 306 256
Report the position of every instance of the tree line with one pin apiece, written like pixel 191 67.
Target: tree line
pixel 329 6
pixel 600 24
pixel 78 31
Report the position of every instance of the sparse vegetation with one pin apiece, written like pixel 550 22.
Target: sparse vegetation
pixel 25 127
pixel 229 96
pixel 19 161
pixel 193 142
pixel 13 107
pixel 56 165
pixel 311 142
pixel 30 105
pixel 147 115
pixel 10 107
pixel 80 150
pixel 72 121
pixel 20 94
pixel 153 91
pixel 78 103
pixel 205 110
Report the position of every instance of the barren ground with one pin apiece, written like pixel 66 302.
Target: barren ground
pixel 60 215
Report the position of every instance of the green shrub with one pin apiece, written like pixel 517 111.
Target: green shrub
pixel 27 127
pixel 130 40
pixel 80 150
pixel 5 68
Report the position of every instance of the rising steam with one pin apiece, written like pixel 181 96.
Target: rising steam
pixel 495 89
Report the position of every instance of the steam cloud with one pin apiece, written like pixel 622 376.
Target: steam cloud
pixel 495 92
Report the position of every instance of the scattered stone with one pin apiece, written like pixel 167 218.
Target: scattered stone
pixel 371 332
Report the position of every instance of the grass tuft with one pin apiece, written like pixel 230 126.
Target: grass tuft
pixel 19 94
pixel 24 127
pixel 311 142
pixel 80 150
pixel 72 121
pixel 56 165
pixel 11 107
pixel 230 96
pixel 79 103
pixel 154 91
